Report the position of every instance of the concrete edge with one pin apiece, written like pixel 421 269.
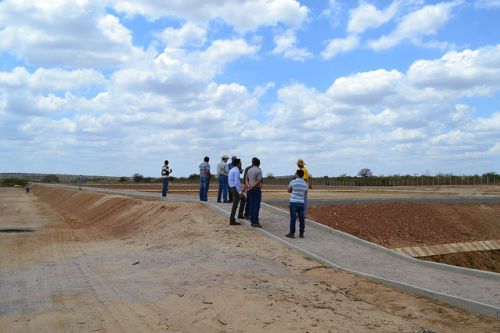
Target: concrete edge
pixel 450 268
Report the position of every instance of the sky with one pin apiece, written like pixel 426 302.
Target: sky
pixel 116 87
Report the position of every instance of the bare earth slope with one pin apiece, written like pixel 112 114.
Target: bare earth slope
pixel 108 263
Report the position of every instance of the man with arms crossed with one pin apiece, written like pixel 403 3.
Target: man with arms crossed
pixel 298 189
pixel 254 180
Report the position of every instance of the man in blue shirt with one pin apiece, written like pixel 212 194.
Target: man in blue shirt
pixel 298 189
pixel 235 188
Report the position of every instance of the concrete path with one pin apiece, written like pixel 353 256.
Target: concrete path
pixel 474 290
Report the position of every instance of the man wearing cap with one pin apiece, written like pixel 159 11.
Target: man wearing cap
pixel 302 166
pixel 223 171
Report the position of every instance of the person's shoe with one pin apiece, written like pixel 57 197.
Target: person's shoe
pixel 234 223
pixel 257 225
pixel 290 235
pixel 219 201
pixel 301 235
pixel 247 217
pixel 241 217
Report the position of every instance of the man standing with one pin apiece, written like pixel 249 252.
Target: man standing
pixel 247 186
pixel 223 171
pixel 230 165
pixel 298 189
pixel 204 179
pixel 302 166
pixel 165 176
pixel 235 187
pixel 254 180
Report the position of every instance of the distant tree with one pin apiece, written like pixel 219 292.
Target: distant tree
pixel 13 181
pixel 270 175
pixel 490 174
pixel 193 176
pixel 50 179
pixel 365 172
pixel 123 179
pixel 138 178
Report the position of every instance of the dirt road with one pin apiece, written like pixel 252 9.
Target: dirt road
pixel 107 263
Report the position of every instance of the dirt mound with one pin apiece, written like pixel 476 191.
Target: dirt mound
pixel 399 225
pixel 105 216
pixel 485 260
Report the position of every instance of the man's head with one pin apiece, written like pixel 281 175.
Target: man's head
pixel 237 162
pixel 299 173
pixel 166 162
pixel 206 159
pixel 233 159
pixel 255 161
pixel 224 158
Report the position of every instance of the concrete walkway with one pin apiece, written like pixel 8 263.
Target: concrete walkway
pixel 474 290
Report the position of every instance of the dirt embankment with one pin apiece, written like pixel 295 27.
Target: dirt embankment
pixel 109 263
pixel 401 225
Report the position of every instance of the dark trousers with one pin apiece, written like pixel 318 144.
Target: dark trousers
pixel 254 196
pixel 297 209
pixel 236 201
pixel 165 187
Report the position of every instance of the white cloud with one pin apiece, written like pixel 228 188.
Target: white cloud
pixel 286 45
pixel 244 15
pixel 469 72
pixel 366 16
pixel 340 45
pixel 65 33
pixel 190 34
pixel 422 22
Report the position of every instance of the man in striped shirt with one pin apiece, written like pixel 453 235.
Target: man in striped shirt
pixel 298 189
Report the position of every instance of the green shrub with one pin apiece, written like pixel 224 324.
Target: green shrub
pixel 14 181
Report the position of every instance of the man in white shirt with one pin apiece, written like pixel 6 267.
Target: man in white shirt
pixel 223 171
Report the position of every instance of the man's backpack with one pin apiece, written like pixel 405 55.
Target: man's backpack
pixel 164 171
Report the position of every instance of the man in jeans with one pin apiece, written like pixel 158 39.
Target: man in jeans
pixel 204 179
pixel 254 181
pixel 298 189
pixel 222 172
pixel 235 187
pixel 165 175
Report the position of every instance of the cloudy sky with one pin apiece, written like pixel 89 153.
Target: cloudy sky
pixel 102 87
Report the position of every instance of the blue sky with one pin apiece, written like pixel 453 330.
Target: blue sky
pixel 116 87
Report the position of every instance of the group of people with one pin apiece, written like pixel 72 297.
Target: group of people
pixel 248 194
pixel 231 190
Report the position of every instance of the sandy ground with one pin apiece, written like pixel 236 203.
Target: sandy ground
pixel 107 263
